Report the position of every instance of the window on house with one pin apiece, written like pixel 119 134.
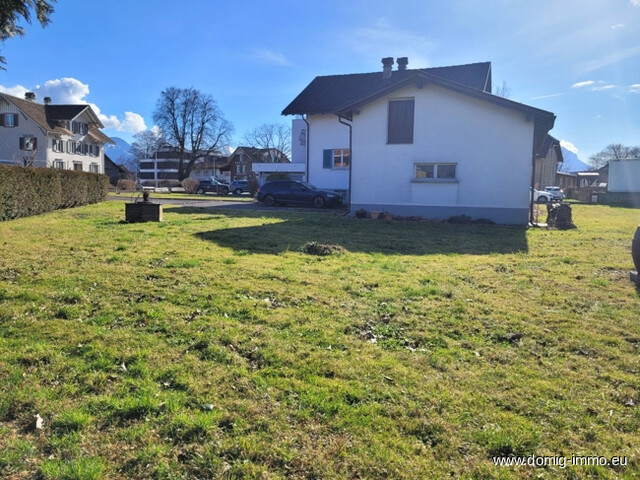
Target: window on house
pixel 400 122
pixel 435 171
pixel 57 145
pixel 80 128
pixel 9 119
pixel 57 163
pixel 337 158
pixel 77 166
pixel 93 168
pixel 28 143
pixel 240 168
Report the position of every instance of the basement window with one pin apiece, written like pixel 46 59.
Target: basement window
pixel 434 172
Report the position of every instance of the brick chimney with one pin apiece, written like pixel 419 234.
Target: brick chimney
pixel 47 100
pixel 387 64
pixel 402 63
pixel 30 96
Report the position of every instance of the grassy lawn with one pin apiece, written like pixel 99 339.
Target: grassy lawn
pixel 210 346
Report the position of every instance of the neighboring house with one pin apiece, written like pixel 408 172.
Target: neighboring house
pixel 242 159
pixel 48 135
pixel 162 168
pixel 587 179
pixel 116 172
pixel 547 159
pixel 428 142
pixel 566 180
pixel 624 176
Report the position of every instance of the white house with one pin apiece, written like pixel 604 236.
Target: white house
pixel 48 135
pixel 429 142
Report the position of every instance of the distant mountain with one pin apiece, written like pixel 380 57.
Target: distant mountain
pixel 120 153
pixel 572 163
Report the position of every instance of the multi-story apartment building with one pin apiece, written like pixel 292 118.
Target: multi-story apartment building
pixel 48 135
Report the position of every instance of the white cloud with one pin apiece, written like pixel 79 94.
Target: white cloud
pixel 600 88
pixel 271 57
pixel 583 84
pixel 569 146
pixel 635 88
pixel 69 90
pixel 617 26
pixel 547 96
pixel 635 3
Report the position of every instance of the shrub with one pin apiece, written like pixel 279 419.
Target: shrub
pixel 190 185
pixel 127 185
pixel 26 191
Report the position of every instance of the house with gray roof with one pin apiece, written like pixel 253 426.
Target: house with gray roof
pixel 49 135
pixel 431 142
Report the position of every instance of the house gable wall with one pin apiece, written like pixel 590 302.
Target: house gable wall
pixel 490 145
pixel 10 138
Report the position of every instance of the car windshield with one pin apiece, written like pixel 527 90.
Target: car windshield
pixel 308 186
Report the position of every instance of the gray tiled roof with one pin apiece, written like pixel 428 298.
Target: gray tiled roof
pixel 328 94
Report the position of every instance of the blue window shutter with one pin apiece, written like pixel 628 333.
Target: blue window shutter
pixel 327 159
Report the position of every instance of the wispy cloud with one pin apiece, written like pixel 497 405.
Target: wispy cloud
pixel 547 96
pixel 635 88
pixel 635 3
pixel 609 59
pixel 382 37
pixel 273 58
pixel 68 90
pixel 593 86
pixel 601 88
pixel 583 84
pixel 617 26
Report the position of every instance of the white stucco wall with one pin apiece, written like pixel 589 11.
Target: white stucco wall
pixel 624 176
pixel 491 145
pixel 326 133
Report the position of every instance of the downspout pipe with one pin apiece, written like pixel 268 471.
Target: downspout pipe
pixel 308 139
pixel 533 177
pixel 341 119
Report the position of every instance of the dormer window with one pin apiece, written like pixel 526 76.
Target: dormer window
pixel 79 128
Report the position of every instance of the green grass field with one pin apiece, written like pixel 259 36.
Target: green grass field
pixel 210 346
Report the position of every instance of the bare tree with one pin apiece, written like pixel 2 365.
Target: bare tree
pixel 503 90
pixel 614 151
pixel 192 124
pixel 273 137
pixel 147 143
pixel 12 10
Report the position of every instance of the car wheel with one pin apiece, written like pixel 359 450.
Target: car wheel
pixel 200 191
pixel 269 200
pixel 318 202
pixel 225 191
pixel 238 191
pixel 543 199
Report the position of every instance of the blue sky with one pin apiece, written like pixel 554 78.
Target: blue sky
pixel 578 59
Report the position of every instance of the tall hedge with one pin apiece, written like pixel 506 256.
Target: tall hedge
pixel 31 191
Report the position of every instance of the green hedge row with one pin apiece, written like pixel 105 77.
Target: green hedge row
pixel 31 191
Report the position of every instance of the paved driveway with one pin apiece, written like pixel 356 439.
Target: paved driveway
pixel 221 204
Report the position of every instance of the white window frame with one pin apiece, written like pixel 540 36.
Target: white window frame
pixel 435 169
pixel 57 145
pixel 339 155
pixel 11 123
pixel 59 164
pixel 76 163
pixel 94 168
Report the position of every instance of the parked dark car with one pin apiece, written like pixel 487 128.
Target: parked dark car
pixel 299 193
pixel 239 186
pixel 212 186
